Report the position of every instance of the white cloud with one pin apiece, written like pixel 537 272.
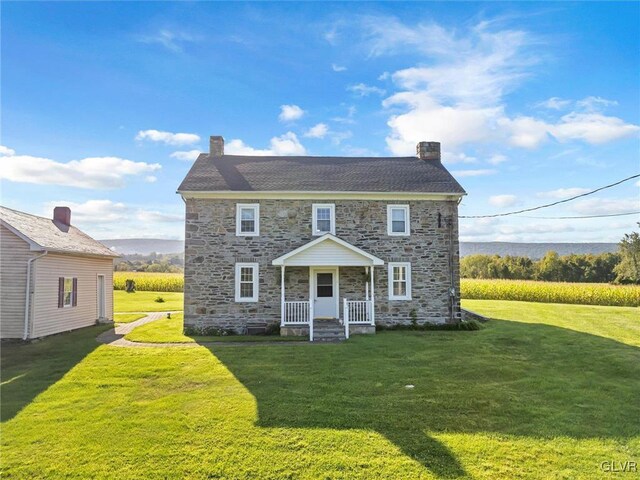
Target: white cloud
pixel 473 173
pixel 154 216
pixel 186 156
pixel 168 138
pixel 348 119
pixel 338 68
pixel 502 201
pixel 592 104
pixel 606 206
pixel 554 103
pixel 92 172
pixel 452 157
pixel 317 131
pixel 593 128
pixel 364 90
pixel 290 113
pixel 562 193
pixel 286 144
pixel 497 159
pixel 6 151
pixel 171 40
pixel 92 211
pixel 459 98
pixel 151 179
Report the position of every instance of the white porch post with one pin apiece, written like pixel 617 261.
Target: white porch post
pixel 282 312
pixel 366 269
pixel 373 302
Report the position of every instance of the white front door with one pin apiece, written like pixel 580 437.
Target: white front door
pixel 325 293
pixel 101 313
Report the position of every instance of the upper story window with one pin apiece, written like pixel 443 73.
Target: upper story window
pixel 399 281
pixel 398 220
pixel 324 218
pixel 247 219
pixel 246 282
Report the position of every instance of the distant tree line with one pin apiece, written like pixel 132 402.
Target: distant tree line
pixel 158 263
pixel 620 267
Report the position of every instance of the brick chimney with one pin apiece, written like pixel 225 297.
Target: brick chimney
pixel 216 146
pixel 62 215
pixel 428 150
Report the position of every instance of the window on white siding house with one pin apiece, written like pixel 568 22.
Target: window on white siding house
pixel 67 292
pixel 246 282
pixel 247 220
pixel 399 281
pixel 398 220
pixel 324 218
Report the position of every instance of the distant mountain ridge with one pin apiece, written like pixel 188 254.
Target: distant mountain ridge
pixel 146 246
pixel 534 250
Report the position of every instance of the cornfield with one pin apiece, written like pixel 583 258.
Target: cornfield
pixel 150 282
pixel 552 292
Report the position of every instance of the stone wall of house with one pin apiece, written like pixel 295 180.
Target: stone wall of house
pixel 212 249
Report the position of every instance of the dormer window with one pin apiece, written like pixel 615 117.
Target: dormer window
pixel 398 220
pixel 324 215
pixel 247 219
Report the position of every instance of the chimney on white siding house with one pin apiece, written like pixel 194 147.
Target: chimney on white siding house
pixel 62 215
pixel 428 150
pixel 216 146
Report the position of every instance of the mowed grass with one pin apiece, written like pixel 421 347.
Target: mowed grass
pixel 552 292
pixel 150 281
pixel 170 330
pixel 517 399
pixel 127 317
pixel 617 323
pixel 124 302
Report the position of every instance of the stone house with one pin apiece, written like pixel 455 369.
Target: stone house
pixel 53 277
pixel 320 245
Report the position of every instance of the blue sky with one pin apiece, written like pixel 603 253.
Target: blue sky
pixel 104 105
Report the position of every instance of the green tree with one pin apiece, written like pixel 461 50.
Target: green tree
pixel 628 270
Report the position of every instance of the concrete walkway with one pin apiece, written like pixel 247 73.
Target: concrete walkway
pixel 115 337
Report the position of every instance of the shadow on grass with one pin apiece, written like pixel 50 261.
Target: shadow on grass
pixel 29 369
pixel 510 378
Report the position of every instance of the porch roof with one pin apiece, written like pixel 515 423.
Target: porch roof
pixel 327 250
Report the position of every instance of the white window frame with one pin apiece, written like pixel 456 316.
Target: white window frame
pixel 314 219
pixel 255 279
pixel 64 293
pixel 256 211
pixel 407 267
pixel 407 221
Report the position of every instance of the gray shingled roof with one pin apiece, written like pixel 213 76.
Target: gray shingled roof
pixel 319 174
pixel 54 236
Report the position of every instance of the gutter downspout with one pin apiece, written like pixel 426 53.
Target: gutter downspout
pixel 27 298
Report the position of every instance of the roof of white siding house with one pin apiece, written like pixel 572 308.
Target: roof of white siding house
pixel 52 235
pixel 216 172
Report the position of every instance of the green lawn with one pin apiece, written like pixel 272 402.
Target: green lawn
pixel 145 301
pixel 616 323
pixel 169 330
pixel 127 317
pixel 517 399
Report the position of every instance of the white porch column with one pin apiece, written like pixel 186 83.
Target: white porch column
pixel 366 269
pixel 282 312
pixel 373 302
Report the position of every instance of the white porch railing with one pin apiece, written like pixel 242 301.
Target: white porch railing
pixel 357 312
pixel 296 313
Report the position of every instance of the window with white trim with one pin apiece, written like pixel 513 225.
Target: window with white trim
pixel 247 219
pixel 398 220
pixel 399 281
pixel 324 218
pixel 67 294
pixel 246 282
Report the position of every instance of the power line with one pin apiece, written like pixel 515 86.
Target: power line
pixel 554 203
pixel 586 216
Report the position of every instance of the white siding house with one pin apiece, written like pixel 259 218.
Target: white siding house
pixel 70 276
